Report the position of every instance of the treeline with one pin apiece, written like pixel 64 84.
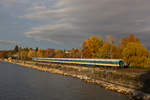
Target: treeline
pixel 130 49
pixel 29 53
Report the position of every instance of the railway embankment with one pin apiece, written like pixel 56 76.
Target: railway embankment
pixel 130 81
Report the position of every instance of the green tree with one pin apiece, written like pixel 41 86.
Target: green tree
pixel 16 49
pixel 36 49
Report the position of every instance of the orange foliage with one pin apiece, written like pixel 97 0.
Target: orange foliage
pixel 59 53
pixel 49 53
pixel 75 53
pixel 1 55
pixel 116 52
pixel 90 47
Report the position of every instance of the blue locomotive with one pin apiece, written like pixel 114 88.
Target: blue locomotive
pixel 92 62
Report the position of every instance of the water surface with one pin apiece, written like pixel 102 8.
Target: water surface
pixel 19 83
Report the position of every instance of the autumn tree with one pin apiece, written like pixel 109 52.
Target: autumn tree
pixel 59 53
pixel 40 53
pixel 23 54
pixel 116 52
pixel 31 53
pixel 109 51
pixel 85 51
pixel 91 46
pixel 129 39
pixel 2 54
pixel 75 53
pixel 104 51
pixel 135 54
pixel 49 53
pixel 67 53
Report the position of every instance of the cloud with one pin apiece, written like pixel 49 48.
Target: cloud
pixel 13 3
pixel 8 2
pixel 72 21
pixel 8 42
pixel 60 34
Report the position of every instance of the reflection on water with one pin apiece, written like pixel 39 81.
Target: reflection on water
pixel 19 83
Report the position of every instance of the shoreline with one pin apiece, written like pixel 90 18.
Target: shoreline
pixel 84 74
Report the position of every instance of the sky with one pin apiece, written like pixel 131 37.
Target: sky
pixel 65 24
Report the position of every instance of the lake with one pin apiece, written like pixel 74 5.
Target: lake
pixel 20 83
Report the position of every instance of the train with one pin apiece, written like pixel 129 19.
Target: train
pixel 119 63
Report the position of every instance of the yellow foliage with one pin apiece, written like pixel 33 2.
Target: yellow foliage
pixel 109 51
pixel 23 54
pixel 129 39
pixel 31 53
pixel 40 53
pixel 59 53
pixel 135 54
pixel 105 51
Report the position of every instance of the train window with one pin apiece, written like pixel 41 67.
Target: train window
pixel 109 62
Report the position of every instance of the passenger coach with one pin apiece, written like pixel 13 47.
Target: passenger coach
pixel 94 62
